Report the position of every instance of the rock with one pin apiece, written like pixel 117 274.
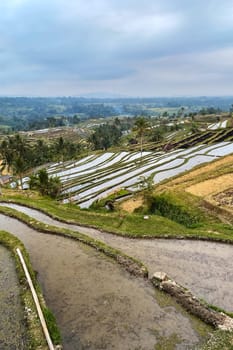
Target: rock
pixel 159 277
pixel 58 347
pixel 192 304
pixel 227 324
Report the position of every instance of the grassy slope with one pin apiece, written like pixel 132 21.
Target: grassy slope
pixel 133 225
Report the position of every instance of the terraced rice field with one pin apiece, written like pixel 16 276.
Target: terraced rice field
pixel 96 176
pixel 219 125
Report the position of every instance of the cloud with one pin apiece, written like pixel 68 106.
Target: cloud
pixel 114 44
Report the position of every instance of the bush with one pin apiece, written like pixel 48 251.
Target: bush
pixel 167 206
pixel 47 186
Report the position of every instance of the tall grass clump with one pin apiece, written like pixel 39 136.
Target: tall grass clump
pixel 169 206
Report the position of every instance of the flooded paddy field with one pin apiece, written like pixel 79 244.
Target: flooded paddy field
pixel 206 268
pixel 96 176
pixel 97 304
pixel 12 326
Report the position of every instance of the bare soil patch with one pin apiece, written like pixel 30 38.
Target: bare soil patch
pixel 212 186
pixel 131 204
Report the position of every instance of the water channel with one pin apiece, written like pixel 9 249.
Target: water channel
pixel 97 304
pixel 206 268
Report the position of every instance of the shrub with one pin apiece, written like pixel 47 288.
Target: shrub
pixel 167 206
pixel 47 186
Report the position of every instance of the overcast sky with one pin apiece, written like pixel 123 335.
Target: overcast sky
pixel 116 47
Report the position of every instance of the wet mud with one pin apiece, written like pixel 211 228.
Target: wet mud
pixel 12 325
pixel 97 304
pixel 206 268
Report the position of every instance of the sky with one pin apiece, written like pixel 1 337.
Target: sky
pixel 116 48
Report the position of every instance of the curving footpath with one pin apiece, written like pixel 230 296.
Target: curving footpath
pixel 97 304
pixel 205 268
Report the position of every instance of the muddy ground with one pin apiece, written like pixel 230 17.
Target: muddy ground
pixel 12 326
pixel 97 304
pixel 206 268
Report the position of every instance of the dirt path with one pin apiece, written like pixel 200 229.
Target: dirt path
pixel 97 304
pixel 206 268
pixel 12 327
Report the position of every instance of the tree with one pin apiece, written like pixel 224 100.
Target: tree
pixel 64 150
pixel 146 185
pixel 16 155
pixel 157 135
pixel 50 186
pixel 7 155
pixel 19 166
pixel 105 136
pixel 194 128
pixel 140 126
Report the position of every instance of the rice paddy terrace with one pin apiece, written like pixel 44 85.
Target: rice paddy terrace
pixel 97 176
pixel 217 132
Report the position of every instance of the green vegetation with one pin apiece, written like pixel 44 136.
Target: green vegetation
pixel 169 343
pixel 35 334
pixel 219 340
pixel 169 206
pixel 105 136
pixel 47 186
pixel 52 325
pixel 19 156
pixel 131 225
pixel 109 200
pixel 22 113
pixel 140 126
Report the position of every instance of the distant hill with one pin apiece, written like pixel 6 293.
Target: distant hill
pixel 22 113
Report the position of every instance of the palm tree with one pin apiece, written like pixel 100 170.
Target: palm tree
pixel 7 155
pixel 140 126
pixel 15 155
pixel 19 167
pixel 46 185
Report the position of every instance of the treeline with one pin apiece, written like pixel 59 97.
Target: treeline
pixel 36 113
pixel 21 113
pixel 18 155
pixel 105 136
pixel 109 134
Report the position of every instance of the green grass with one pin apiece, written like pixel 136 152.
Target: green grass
pixel 220 340
pixel 167 205
pixel 167 343
pixel 131 225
